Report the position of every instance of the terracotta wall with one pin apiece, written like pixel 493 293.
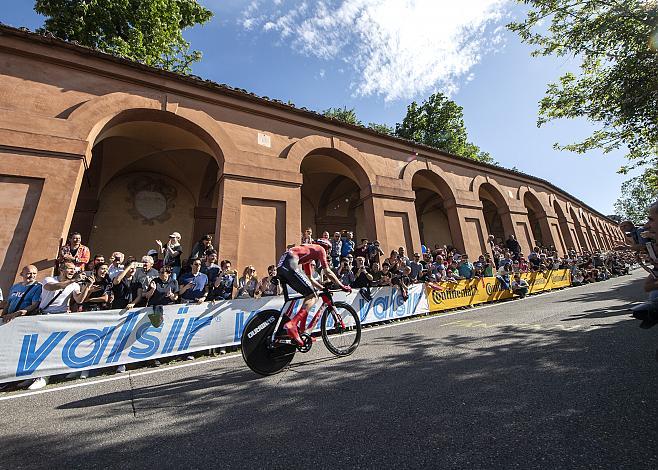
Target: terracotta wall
pixel 238 165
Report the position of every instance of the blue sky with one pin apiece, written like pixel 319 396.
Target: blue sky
pixel 378 55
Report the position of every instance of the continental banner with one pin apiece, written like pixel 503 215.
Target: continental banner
pixel 448 295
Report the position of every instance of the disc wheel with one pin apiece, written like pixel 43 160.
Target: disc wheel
pixel 261 358
pixel 341 329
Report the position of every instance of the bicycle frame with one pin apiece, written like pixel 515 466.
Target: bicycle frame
pixel 288 308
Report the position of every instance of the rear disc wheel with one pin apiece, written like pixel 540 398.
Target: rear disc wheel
pixel 256 351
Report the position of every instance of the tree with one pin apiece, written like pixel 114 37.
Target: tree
pixel 147 31
pixel 439 122
pixel 381 128
pixel 614 42
pixel 343 114
pixel 637 194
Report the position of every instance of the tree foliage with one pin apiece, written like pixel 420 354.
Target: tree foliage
pixel 637 194
pixel 343 114
pixel 614 42
pixel 147 31
pixel 381 128
pixel 439 122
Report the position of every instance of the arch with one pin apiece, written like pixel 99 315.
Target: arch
pixel 480 180
pixel 568 236
pixel 335 148
pixel 496 212
pixel 438 177
pixel 579 229
pixel 537 218
pixel 98 114
pixel 436 213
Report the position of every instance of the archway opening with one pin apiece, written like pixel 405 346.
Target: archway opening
pixel 492 205
pixel 580 231
pixel 535 213
pixel 568 235
pixel 147 178
pixel 432 193
pixel 331 197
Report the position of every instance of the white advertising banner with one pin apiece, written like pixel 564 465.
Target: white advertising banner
pixel 47 345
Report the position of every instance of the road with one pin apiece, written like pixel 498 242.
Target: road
pixel 559 380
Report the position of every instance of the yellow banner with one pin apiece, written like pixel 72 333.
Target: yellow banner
pixel 448 295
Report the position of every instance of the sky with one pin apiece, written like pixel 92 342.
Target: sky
pixel 377 56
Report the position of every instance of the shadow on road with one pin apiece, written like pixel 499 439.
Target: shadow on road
pixel 506 397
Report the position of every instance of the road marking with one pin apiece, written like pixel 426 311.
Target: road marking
pixel 126 376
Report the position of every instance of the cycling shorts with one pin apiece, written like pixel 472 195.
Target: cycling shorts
pixel 291 274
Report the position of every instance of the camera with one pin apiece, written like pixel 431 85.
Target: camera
pixel 139 265
pixel 636 236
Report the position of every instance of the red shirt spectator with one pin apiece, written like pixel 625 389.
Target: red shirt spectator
pixel 75 252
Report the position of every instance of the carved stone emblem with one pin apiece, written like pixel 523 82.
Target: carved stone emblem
pixel 151 199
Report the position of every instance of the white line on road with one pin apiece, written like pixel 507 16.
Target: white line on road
pixel 127 375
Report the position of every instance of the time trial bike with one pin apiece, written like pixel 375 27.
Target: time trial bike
pixel 267 348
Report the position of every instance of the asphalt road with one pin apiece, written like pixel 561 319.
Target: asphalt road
pixel 560 380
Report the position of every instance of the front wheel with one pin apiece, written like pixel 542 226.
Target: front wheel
pixel 341 329
pixel 256 350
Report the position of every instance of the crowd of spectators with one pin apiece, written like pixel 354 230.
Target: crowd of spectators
pixel 163 276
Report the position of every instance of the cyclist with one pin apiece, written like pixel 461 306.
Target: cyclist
pixel 289 271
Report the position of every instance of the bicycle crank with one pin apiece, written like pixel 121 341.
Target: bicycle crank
pixel 308 343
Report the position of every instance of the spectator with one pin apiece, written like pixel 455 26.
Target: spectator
pixel 210 267
pixel 393 261
pixel 194 285
pixel 362 278
pixel 248 284
pixel 336 249
pixel 163 290
pixel 116 266
pixel 404 261
pixel 307 236
pixel 172 252
pixel 386 279
pixel 376 273
pixel 520 286
pixel 157 262
pixel 145 273
pixel 513 245
pixel 126 289
pixel 347 245
pixel 97 259
pixel 363 251
pixel 24 297
pixel 201 247
pixel 270 286
pixel 100 288
pixel 345 273
pixel 225 283
pixel 416 267
pixel 56 294
pixel 503 276
pixel 58 291
pixel 75 252
pixel 374 252
pixel 465 267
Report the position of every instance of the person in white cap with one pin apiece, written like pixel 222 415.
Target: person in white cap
pixel 172 252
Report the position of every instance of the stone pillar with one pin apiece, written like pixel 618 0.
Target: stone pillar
pixel 257 217
pixel 393 217
pixel 38 193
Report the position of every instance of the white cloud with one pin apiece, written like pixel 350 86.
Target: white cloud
pixel 398 48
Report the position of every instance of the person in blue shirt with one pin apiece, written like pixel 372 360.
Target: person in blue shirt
pixel 465 267
pixel 347 245
pixel 24 297
pixel 194 285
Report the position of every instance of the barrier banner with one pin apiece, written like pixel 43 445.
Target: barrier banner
pixel 58 344
pixel 448 295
